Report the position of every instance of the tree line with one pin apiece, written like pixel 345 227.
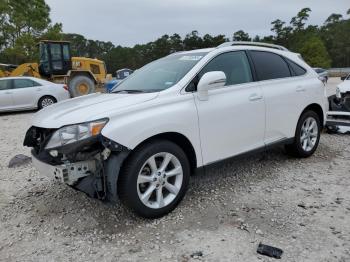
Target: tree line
pixel 23 23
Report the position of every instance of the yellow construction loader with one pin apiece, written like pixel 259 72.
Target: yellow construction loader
pixel 81 74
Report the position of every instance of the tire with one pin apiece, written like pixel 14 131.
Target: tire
pixel 81 85
pixel 46 101
pixel 132 186
pixel 312 137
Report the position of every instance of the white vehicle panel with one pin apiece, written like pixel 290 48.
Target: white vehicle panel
pixel 232 121
pixel 26 97
pixel 285 100
pixel 344 87
pixel 87 108
pixel 174 114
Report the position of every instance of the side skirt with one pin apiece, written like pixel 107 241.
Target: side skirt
pixel 216 164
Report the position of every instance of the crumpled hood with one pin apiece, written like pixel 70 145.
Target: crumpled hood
pixel 86 108
pixel 344 86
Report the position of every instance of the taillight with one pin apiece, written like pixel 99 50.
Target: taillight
pixel 65 87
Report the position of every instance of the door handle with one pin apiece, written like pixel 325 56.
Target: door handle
pixel 255 97
pixel 300 89
pixel 8 93
pixel 39 89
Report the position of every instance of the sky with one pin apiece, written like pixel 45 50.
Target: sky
pixel 130 22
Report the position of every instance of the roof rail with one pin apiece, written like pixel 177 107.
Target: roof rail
pixel 279 47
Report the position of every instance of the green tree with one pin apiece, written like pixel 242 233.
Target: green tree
pixel 282 32
pixel 334 18
pixel 298 22
pixel 23 22
pixel 193 41
pixel 241 36
pixel 176 43
pixel 335 33
pixel 315 53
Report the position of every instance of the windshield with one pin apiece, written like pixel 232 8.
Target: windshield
pixel 160 74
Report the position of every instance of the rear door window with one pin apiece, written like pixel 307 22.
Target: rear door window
pixel 5 84
pixel 23 83
pixel 269 65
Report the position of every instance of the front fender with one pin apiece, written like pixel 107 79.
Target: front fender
pixel 176 114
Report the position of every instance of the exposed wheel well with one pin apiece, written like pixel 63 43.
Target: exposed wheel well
pixel 181 141
pixel 318 110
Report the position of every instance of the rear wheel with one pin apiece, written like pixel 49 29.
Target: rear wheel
pixel 307 135
pixel 46 101
pixel 81 85
pixel 155 179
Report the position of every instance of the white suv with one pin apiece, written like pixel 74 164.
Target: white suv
pixel 141 142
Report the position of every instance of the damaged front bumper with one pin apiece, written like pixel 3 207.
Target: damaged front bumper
pixel 69 173
pixel 91 166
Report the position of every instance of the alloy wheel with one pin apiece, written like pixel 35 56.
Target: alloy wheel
pixel 309 134
pixel 159 180
pixel 46 102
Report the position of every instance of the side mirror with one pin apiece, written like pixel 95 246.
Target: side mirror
pixel 323 79
pixel 209 81
pixel 342 78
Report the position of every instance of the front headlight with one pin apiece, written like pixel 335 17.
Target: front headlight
pixel 73 133
pixel 337 93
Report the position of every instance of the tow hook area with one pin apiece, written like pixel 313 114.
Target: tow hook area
pixel 71 173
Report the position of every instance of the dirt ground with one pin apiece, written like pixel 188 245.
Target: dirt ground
pixel 299 205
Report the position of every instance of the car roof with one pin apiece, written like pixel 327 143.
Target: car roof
pixel 19 77
pixel 42 81
pixel 227 46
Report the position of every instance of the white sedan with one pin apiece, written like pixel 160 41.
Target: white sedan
pixel 22 93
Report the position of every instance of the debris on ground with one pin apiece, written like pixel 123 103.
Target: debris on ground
pixel 270 251
pixel 197 254
pixel 19 160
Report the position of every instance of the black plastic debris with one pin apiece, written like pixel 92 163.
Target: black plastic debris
pixel 197 254
pixel 302 205
pixel 19 160
pixel 270 251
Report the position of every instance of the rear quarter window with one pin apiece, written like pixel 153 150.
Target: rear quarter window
pixel 297 70
pixel 269 65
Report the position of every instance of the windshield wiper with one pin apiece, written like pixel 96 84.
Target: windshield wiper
pixel 129 91
pixel 135 91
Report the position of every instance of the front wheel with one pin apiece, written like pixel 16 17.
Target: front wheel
pixel 307 135
pixel 154 179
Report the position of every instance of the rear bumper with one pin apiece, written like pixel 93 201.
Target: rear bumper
pixel 63 96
